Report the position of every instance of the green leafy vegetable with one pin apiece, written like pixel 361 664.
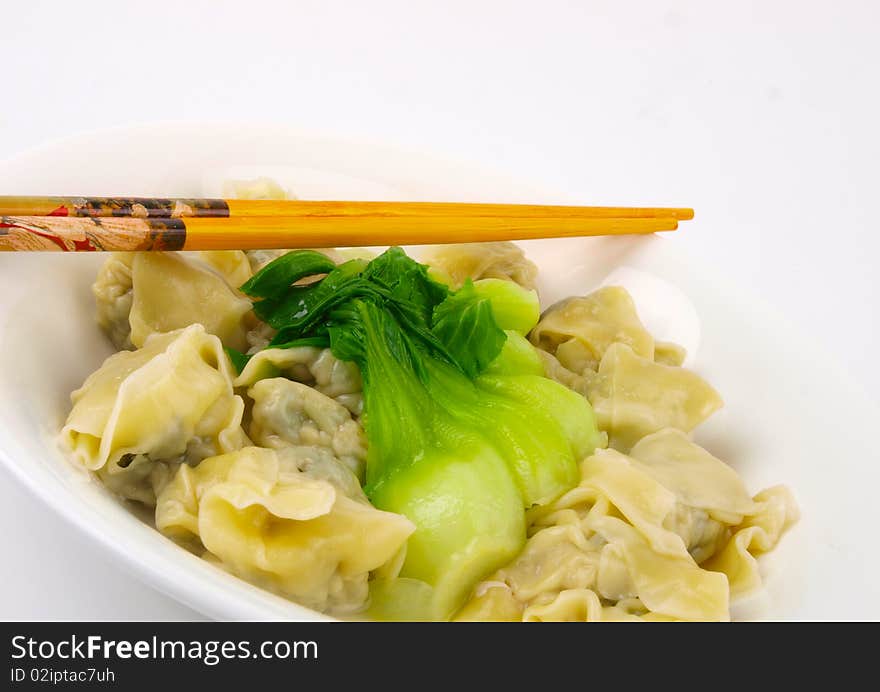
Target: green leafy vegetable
pixel 466 326
pixel 517 357
pixel 515 308
pixel 464 433
pixel 295 304
pixel 239 360
pixel 274 280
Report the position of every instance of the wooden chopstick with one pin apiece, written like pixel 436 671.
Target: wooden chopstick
pixel 178 225
pixel 156 207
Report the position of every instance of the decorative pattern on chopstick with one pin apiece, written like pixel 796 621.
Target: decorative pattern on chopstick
pixel 87 234
pixel 138 207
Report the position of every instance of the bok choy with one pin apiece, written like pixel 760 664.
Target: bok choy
pixel 464 431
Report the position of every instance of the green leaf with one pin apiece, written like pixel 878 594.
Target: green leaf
pixel 299 303
pixel 239 359
pixel 515 308
pixel 517 357
pixel 407 282
pixel 275 278
pixel 466 327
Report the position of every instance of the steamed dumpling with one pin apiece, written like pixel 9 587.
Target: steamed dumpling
pixel 168 402
pixel 287 413
pixel 698 479
pixel 578 331
pixel 255 188
pixel 316 367
pixel 143 293
pixel 576 382
pixel 666 533
pixel 171 291
pixel 499 260
pixel 233 265
pixel 668 353
pixel 634 396
pixel 113 298
pixel 270 522
pixel 709 486
pixel 597 346
pixel 585 552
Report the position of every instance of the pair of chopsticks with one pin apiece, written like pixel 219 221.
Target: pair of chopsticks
pixel 140 223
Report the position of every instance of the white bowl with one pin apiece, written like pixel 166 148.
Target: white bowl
pixel 790 416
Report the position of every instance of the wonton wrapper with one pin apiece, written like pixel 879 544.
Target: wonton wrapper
pixel 668 353
pixel 255 188
pixel 288 413
pixel 171 292
pixel 143 293
pixel 578 331
pixel 634 397
pixel 620 546
pixel 277 526
pixel 233 265
pixel 499 260
pixel 759 533
pixel 556 371
pixel 698 479
pixel 113 297
pixel 171 400
pixel 316 367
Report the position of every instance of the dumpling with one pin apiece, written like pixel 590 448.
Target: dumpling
pixel 279 527
pixel 320 463
pixel 634 396
pixel 499 260
pixel 697 478
pixel 233 265
pixel 576 568
pixel 758 533
pixel 168 402
pixel 668 353
pixel 553 369
pixel 142 293
pixel 171 291
pixel 667 533
pixel 289 413
pixel 583 605
pixel 662 511
pixel 255 188
pixel 113 298
pixel 705 483
pixel 578 331
pixel 316 367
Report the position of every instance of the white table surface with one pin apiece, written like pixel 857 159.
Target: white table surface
pixel 761 115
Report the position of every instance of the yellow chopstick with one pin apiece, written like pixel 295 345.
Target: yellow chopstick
pixel 223 208
pixel 178 225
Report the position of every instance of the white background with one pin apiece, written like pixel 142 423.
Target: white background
pixel 763 116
